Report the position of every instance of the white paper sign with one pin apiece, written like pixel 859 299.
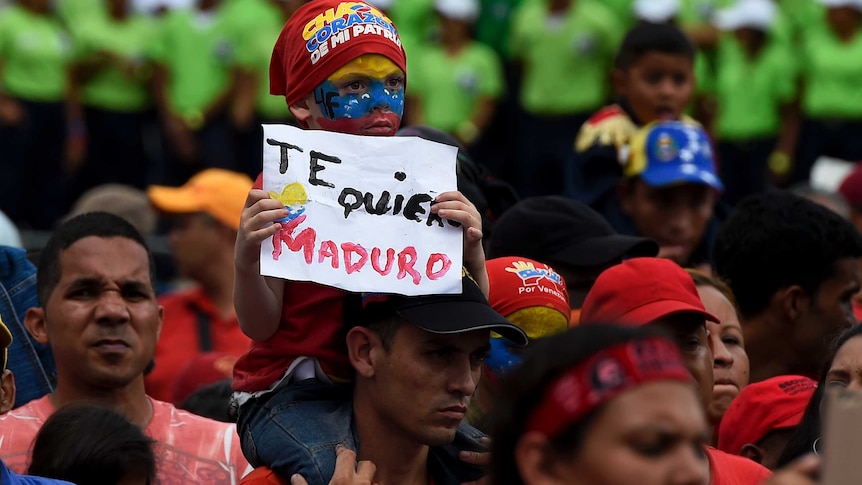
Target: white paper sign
pixel 360 212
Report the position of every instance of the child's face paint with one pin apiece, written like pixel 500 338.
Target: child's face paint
pixel 364 97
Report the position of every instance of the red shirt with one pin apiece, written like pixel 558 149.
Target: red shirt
pixel 180 339
pixel 263 476
pixel 189 448
pixel 312 325
pixel 727 469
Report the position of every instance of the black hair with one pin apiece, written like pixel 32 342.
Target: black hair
pixel 808 431
pixel 93 445
pixel 647 37
pixel 99 224
pixel 524 388
pixel 777 239
pixel 211 401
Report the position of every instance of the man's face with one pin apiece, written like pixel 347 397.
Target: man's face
pixel 675 216
pixel 657 87
pixel 364 97
pixel 102 320
pixel 689 332
pixel 424 383
pixel 193 239
pixel 829 312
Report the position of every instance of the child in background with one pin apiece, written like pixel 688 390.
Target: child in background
pixel 831 75
pixel 754 87
pixel 654 78
pixel 455 85
pixel 565 49
pixel 668 191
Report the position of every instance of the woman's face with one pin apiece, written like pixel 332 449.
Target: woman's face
pixel 730 362
pixel 651 435
pixel 846 369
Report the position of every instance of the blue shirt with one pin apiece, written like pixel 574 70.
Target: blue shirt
pixel 9 478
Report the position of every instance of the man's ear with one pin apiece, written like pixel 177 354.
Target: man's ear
pixel 752 452
pixel 362 348
pixel 7 391
pixel 301 112
pixel 618 81
pixel 534 459
pixel 34 320
pixel 793 301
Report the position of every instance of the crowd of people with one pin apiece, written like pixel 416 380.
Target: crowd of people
pixel 646 297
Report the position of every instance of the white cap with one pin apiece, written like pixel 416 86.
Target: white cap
pixel 857 4
pixel 381 4
pixel 656 11
pixel 463 10
pixel 755 14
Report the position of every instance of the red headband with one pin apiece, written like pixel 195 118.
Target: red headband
pixel 602 377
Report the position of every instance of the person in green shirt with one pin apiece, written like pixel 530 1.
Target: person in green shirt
pixel 111 76
pixel 566 50
pixel 831 102
pixel 195 54
pixel 253 105
pixel 456 84
pixel 754 90
pixel 34 52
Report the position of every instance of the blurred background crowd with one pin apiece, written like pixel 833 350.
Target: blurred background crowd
pixel 142 92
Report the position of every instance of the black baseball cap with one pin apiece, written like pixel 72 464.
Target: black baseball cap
pixel 450 314
pixel 555 229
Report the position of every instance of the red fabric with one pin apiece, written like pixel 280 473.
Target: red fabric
pixel 726 469
pixel 640 291
pixel 199 371
pixel 324 35
pixel 605 113
pixel 179 341
pixel 189 448
pixel 591 383
pixel 517 283
pixel 763 407
pixel 312 325
pixel 857 309
pixel 851 187
pixel 263 476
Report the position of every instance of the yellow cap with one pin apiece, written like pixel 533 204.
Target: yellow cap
pixel 217 192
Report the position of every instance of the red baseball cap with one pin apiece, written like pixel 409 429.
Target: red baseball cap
pixel 763 407
pixel 851 188
pixel 519 283
pixel 640 291
pixel 324 35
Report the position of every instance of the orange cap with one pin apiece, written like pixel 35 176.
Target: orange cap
pixel 217 192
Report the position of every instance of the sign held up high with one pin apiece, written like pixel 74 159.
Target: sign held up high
pixel 360 217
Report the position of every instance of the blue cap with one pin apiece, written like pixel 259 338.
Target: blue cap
pixel 672 152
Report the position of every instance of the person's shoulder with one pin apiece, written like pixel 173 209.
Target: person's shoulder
pixel 34 412
pixel 609 126
pixel 727 469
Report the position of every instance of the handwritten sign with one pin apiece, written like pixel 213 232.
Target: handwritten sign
pixel 360 217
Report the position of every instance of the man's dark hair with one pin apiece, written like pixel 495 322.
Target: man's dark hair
pixel 776 240
pixel 646 37
pixel 211 401
pixel 92 445
pixel 523 390
pixel 99 224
